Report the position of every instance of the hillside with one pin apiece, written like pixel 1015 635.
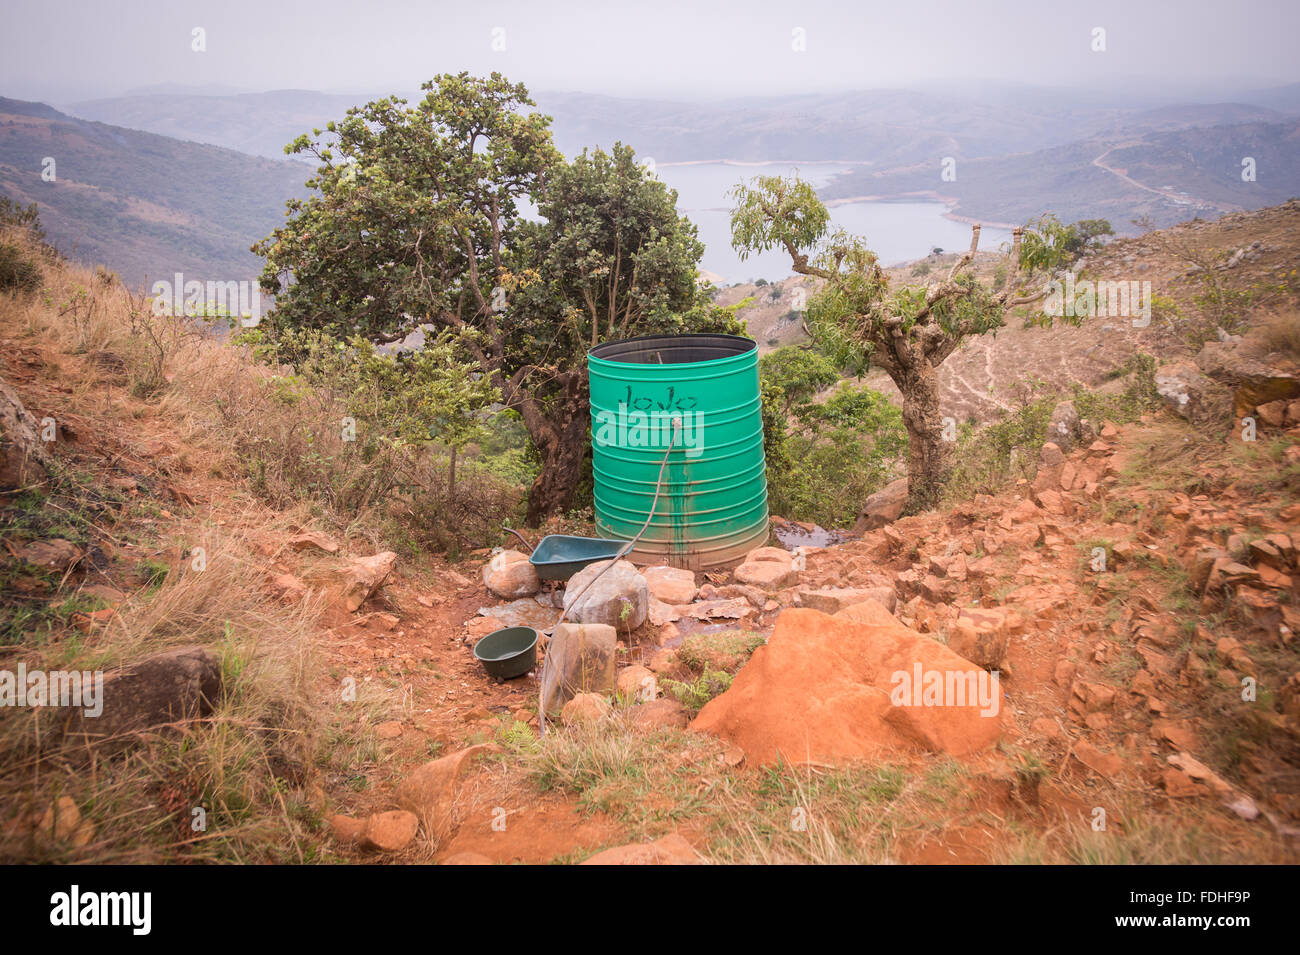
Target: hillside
pixel 333 711
pixel 986 376
pixel 144 205
pixel 1167 177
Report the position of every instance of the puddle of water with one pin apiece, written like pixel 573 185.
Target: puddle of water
pixel 793 535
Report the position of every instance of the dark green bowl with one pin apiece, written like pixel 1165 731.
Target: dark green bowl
pixel 508 653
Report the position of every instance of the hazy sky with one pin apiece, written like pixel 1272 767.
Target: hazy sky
pixel 62 50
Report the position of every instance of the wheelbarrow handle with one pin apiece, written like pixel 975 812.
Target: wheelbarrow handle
pixel 530 547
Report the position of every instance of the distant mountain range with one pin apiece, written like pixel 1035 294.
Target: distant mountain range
pixel 147 206
pixel 165 181
pixel 885 127
pixel 1165 177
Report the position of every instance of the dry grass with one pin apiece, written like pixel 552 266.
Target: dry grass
pixel 1279 333
pixel 246 765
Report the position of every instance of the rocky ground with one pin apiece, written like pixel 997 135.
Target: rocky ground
pixel 315 693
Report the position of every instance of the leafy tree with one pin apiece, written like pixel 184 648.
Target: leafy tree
pixel 417 218
pixel 830 455
pixel 1050 246
pixel 799 374
pixel 908 331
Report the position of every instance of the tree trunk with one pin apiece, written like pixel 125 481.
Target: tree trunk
pixel 927 451
pixel 553 490
pixel 559 431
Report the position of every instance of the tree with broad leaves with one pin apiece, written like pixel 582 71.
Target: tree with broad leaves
pixel 418 218
pixel 908 331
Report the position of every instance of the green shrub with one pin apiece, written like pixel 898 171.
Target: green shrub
pixel 18 271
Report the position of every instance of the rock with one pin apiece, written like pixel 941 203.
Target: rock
pixel 585 709
pixel 731 608
pixel 981 637
pixel 659 714
pixel 767 568
pixel 661 614
pixel 389 831
pixel 1189 393
pixel 346 829
pixel 166 688
pixel 1256 381
pixel 430 790
pixel 1201 773
pixel 389 730
pixel 1202 563
pixel 357 581
pixel 637 683
pixel 663 661
pixel 828 688
pixel 287 588
pixel 56 554
pixel 1064 428
pixel 1178 785
pixel 582 659
pixel 480 627
pixel 619 598
pixel 834 599
pixel 672 585
pixel 1272 413
pixel 872 612
pixel 1107 765
pixel 938 590
pixel 882 508
pixel 670 850
pixel 314 539
pixel 509 575
pixel 1050 457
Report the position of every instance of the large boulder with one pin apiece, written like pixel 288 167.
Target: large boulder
pixel 619 598
pixel 883 507
pixel 830 688
pixel 511 575
pixel 581 658
pixel 160 690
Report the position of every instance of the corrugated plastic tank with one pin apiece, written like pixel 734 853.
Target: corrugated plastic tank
pixel 713 505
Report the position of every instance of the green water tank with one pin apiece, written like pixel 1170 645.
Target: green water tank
pixel 712 507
